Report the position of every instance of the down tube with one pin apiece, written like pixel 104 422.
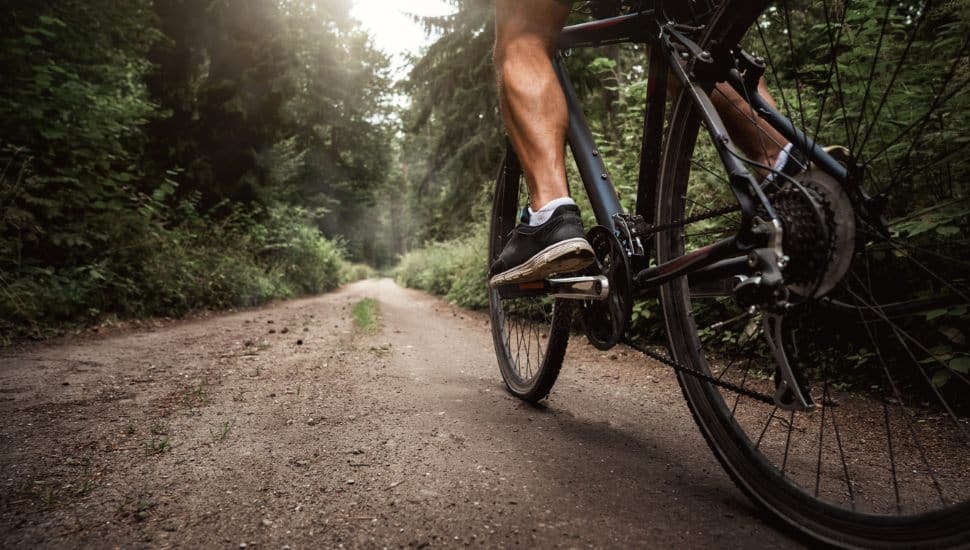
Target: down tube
pixel 599 185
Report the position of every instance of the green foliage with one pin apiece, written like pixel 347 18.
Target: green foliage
pixel 365 314
pixel 73 120
pixel 454 130
pixel 162 156
pixel 454 269
pixel 353 272
pixel 200 263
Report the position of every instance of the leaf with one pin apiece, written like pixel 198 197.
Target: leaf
pixel 936 313
pixel 939 354
pixel 960 364
pixel 941 377
pixel 954 335
pixel 52 21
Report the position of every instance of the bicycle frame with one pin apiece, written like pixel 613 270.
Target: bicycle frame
pixel 698 76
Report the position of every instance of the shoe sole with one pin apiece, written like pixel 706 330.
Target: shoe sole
pixel 563 257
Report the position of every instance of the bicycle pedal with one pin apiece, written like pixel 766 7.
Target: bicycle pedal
pixel 590 287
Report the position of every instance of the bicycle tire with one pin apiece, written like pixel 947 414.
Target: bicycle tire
pixel 530 335
pixel 824 515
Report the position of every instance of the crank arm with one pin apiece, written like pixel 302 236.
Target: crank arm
pixel 790 394
pixel 569 288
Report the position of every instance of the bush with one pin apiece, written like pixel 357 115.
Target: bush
pixel 357 272
pixel 243 259
pixel 453 269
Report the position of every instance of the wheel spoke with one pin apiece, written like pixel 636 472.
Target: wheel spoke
pixel 897 332
pixel 906 413
pixel 834 70
pixel 845 464
pixel 765 428
pixel 798 83
pixel 821 439
pixel 791 427
pixel 883 353
pixel 892 457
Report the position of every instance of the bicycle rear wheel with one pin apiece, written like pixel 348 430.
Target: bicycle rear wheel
pixel 530 334
pixel 881 461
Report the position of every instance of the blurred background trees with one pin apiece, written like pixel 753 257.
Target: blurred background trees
pixel 160 156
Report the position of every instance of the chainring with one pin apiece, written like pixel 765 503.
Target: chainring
pixel 606 321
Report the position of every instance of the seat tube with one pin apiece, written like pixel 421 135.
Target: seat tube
pixel 592 169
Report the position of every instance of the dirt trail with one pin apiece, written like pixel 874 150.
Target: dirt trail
pixel 226 432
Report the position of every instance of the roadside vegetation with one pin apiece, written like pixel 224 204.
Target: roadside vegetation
pixel 454 269
pixel 196 156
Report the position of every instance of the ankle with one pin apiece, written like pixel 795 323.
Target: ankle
pixel 542 215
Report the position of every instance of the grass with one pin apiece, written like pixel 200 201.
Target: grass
pixel 157 445
pixel 201 392
pixel 222 433
pixel 365 314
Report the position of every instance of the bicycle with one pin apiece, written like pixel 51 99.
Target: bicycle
pixel 818 323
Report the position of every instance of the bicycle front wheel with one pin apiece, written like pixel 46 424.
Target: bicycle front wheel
pixel 530 334
pixel 882 459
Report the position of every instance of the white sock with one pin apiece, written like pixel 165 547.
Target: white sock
pixel 780 162
pixel 543 214
pixel 783 157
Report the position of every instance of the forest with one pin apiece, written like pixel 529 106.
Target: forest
pixel 160 157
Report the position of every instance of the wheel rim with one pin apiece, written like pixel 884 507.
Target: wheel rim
pixel 889 454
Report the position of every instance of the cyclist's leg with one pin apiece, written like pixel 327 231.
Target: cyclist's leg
pixel 533 104
pixel 534 107
pixel 536 117
pixel 758 140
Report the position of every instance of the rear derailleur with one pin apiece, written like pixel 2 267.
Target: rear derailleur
pixel 764 290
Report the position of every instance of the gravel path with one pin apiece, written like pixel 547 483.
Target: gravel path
pixel 288 426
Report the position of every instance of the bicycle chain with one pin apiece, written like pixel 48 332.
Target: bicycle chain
pixel 764 398
pixel 645 230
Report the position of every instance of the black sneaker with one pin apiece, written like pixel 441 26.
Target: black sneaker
pixel 533 253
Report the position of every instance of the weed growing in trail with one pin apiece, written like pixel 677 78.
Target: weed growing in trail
pixel 157 445
pixel 222 433
pixel 142 510
pixel 365 314
pixel 201 392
